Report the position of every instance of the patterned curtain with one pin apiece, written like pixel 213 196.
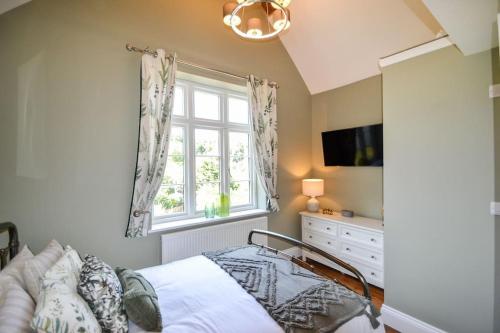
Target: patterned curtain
pixel 265 137
pixel 157 100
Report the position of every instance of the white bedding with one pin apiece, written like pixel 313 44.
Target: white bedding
pixel 197 296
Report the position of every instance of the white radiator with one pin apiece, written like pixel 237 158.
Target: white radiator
pixel 184 244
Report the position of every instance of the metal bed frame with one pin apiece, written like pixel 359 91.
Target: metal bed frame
pixel 306 265
pixel 13 246
pixel 12 249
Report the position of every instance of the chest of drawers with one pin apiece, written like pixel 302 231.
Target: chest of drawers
pixel 358 241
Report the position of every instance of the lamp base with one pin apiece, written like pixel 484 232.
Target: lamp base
pixel 313 205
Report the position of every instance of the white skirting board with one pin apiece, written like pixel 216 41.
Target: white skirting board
pixel 406 323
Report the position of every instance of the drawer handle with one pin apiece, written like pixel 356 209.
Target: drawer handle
pixel 372 239
pixel 348 249
pixel 348 233
pixel 310 223
pixel 310 236
pixel 373 257
pixel 372 274
pixel 327 228
pixel 329 243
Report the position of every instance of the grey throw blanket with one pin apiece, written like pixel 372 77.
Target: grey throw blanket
pixel 297 299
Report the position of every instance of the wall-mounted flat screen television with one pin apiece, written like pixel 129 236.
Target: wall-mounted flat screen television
pixel 359 146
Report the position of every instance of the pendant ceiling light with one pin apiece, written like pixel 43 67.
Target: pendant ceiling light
pixel 257 19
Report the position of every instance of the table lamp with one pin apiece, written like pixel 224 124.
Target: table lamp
pixel 313 188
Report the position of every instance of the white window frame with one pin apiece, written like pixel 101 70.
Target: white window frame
pixel 189 123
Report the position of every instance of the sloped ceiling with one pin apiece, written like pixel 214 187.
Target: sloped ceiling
pixel 337 42
pixel 6 5
pixel 471 24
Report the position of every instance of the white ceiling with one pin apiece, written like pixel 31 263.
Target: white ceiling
pixel 337 42
pixel 6 5
pixel 470 23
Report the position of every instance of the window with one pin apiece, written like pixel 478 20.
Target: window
pixel 209 153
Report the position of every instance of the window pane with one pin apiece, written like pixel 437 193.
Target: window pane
pixel 176 143
pixel 206 105
pixel 179 101
pixel 240 193
pixel 174 173
pixel 207 169
pixel 238 110
pixel 169 200
pixel 206 142
pixel 239 169
pixel 206 195
pixel 238 156
pixel 238 144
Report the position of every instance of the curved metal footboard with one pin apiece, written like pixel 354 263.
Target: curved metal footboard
pixel 343 264
pixel 13 247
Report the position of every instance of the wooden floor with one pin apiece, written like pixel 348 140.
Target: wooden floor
pixel 377 293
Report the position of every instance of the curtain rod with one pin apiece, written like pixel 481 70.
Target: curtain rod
pixel 147 50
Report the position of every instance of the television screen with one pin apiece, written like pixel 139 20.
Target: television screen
pixel 360 146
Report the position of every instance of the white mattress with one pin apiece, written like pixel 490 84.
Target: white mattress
pixel 197 296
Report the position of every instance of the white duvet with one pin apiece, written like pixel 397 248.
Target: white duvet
pixel 197 296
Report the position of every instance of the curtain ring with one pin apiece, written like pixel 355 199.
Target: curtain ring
pixel 277 197
pixel 138 213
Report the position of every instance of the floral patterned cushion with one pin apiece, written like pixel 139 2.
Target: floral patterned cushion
pixel 102 290
pixel 36 267
pixel 60 309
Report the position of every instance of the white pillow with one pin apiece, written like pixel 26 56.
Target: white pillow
pixel 67 269
pixel 35 268
pixel 60 308
pixel 15 267
pixel 17 311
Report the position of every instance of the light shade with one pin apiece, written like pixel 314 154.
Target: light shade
pixel 313 187
pixel 283 3
pixel 278 19
pixel 254 27
pixel 227 12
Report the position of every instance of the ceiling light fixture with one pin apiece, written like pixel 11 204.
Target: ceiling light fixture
pixel 257 19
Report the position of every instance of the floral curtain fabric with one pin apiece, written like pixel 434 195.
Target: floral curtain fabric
pixel 265 137
pixel 157 100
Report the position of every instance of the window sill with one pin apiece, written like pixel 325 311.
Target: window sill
pixel 203 221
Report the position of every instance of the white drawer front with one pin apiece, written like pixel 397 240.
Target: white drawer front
pixel 320 241
pixel 365 237
pixel 319 226
pixel 359 253
pixel 372 275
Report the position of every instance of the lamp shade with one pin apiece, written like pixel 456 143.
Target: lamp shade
pixel 227 12
pixel 278 19
pixel 312 187
pixel 254 26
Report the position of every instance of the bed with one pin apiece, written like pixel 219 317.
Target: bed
pixel 201 294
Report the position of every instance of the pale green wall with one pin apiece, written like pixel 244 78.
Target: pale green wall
pixel 496 105
pixel 353 188
pixel 438 182
pixel 65 62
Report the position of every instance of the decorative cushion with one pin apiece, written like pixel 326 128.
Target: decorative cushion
pixel 15 267
pixel 17 309
pixel 140 300
pixel 35 268
pixel 100 287
pixel 67 269
pixel 60 309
